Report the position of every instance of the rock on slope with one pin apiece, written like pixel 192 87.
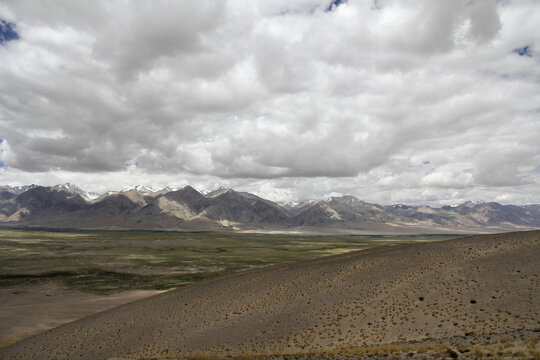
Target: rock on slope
pixel 477 285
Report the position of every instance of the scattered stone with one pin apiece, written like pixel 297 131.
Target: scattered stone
pixel 454 354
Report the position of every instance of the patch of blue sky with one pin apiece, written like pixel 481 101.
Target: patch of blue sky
pixel 132 163
pixel 426 162
pixel 524 51
pixel 7 32
pixel 2 164
pixel 335 3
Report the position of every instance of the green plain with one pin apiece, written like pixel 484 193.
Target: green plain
pixel 104 262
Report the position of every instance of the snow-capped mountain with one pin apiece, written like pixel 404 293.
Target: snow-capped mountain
pixel 16 189
pixel 87 195
pixel 143 207
pixel 141 189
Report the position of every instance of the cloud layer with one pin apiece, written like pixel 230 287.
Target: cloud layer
pixel 393 101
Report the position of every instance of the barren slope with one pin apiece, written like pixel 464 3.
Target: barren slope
pixel 481 284
pixel 30 310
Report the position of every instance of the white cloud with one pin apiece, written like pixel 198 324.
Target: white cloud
pixel 276 97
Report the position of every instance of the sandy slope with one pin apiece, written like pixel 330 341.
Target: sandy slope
pixel 30 310
pixel 481 284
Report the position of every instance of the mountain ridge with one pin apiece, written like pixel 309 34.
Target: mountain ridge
pixel 141 207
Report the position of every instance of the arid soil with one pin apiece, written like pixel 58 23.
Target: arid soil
pixel 460 288
pixel 29 310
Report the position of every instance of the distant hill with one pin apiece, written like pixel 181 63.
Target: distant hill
pixel 139 207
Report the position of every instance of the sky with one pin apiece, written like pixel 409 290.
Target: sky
pixel 418 102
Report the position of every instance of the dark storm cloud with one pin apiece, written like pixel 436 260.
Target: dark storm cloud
pixel 259 92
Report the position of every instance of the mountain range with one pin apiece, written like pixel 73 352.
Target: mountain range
pixel 141 207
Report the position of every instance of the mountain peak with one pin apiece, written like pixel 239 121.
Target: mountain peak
pixel 185 191
pixel 219 191
pixel 346 199
pixel 17 189
pixel 189 188
pixel 472 203
pixel 72 188
pixel 69 187
pixel 141 189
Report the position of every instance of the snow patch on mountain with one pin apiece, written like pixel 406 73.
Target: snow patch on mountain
pixel 141 189
pixel 87 195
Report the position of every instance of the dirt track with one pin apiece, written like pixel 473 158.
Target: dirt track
pixel 482 284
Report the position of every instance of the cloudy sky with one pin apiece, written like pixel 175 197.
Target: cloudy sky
pixel 421 102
